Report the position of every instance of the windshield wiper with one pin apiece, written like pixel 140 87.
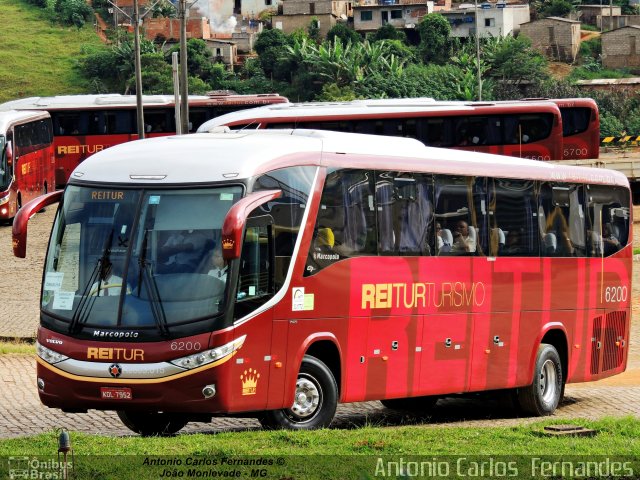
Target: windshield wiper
pixel 97 275
pixel 151 288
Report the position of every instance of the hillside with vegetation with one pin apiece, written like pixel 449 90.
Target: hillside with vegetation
pixel 39 53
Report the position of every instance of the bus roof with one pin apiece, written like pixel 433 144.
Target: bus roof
pixel 370 108
pixel 228 155
pixel 116 100
pixel 12 117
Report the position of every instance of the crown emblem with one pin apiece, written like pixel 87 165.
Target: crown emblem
pixel 249 382
pixel 227 244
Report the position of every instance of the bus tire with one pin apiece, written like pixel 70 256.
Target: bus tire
pixel 543 395
pixel 152 424
pixel 416 405
pixel 315 400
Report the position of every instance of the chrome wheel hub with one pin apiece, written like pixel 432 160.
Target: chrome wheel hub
pixel 307 398
pixel 548 381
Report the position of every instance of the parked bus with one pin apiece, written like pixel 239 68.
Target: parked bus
pixel 277 273
pixel 26 159
pixel 580 127
pixel 520 129
pixel 86 124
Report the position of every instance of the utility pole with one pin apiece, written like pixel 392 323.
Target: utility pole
pixel 478 53
pixel 184 83
pixel 138 69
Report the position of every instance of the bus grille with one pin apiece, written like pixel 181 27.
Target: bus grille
pixel 614 334
pixel 596 345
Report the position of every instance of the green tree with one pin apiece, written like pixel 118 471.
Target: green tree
pixel 73 12
pixel 555 8
pixel 610 126
pixel 314 30
pixel 270 47
pixel 514 60
pixel 435 45
pixel 344 33
pixel 199 62
pixel 389 32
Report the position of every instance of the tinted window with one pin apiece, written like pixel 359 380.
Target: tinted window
pixel 575 120
pixel 513 225
pixel 561 217
pixel 607 219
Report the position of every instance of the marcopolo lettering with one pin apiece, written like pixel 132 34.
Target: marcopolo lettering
pixel 129 354
pixel 420 295
pixel 115 334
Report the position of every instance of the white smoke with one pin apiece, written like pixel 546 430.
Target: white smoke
pixel 220 25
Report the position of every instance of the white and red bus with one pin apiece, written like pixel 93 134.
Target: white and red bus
pixel 520 129
pixel 580 127
pixel 26 159
pixel 86 124
pixel 277 273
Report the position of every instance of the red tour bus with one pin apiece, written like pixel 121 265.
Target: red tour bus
pixel 26 159
pixel 519 129
pixel 86 124
pixel 277 273
pixel 580 127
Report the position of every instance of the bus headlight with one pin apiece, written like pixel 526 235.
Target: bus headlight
pixel 49 355
pixel 4 199
pixel 208 356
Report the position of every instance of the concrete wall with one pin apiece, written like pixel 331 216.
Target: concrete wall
pixel 410 16
pixel 554 38
pixel 611 23
pixel 621 48
pixel 290 23
pixel 169 28
pixel 495 22
pixel 590 13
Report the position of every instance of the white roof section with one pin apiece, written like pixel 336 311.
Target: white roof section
pixel 370 108
pixel 117 100
pixel 13 117
pixel 228 156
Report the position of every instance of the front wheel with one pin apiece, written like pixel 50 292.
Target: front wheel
pixel 543 395
pixel 314 403
pixel 152 424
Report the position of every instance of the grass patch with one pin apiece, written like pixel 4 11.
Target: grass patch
pixel 636 251
pixel 335 453
pixel 42 53
pixel 16 346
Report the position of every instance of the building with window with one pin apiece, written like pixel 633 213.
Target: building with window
pixel 297 14
pixel 370 15
pixel 621 48
pixel 490 19
pixel 555 37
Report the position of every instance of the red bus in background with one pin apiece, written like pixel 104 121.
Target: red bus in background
pixel 519 129
pixel 580 127
pixel 86 124
pixel 26 159
pixel 281 272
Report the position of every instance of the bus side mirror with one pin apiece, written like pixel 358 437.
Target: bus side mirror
pixel 234 222
pixel 20 221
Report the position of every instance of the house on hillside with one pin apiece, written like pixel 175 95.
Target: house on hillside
pixel 621 48
pixel 619 21
pixel 297 14
pixel 489 19
pixel 591 14
pixel 370 15
pixel 557 38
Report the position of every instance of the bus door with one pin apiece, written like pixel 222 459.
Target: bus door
pixel 250 385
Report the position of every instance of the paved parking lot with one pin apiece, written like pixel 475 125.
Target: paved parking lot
pixel 22 414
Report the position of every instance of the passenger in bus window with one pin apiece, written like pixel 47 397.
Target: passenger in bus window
pixel 218 265
pixel 610 242
pixel 463 238
pixel 183 251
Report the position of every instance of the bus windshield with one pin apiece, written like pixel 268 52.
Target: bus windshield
pixel 5 177
pixel 137 259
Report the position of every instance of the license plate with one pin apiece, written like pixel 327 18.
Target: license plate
pixel 108 393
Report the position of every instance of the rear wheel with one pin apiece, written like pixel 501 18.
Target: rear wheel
pixel 543 395
pixel 152 424
pixel 315 400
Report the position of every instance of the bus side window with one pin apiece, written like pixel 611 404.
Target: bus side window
pixel 563 231
pixel 512 218
pixel 607 219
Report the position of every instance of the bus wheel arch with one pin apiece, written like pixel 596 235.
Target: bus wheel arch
pixel 315 400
